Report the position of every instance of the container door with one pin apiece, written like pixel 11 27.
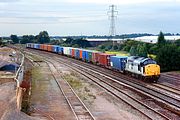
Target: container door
pixel 123 64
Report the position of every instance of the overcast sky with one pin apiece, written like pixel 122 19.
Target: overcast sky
pixel 88 17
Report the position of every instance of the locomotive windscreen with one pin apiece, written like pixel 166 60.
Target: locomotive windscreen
pixel 148 61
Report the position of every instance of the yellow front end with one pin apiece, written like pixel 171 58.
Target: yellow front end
pixel 152 70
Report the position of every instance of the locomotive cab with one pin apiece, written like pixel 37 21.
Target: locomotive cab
pixel 151 69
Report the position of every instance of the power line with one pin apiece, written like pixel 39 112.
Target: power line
pixel 112 15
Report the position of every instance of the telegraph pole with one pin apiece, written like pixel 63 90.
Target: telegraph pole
pixel 112 16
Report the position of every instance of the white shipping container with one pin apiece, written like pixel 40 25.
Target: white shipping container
pixel 67 51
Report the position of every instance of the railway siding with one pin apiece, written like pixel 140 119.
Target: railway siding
pixel 47 101
pixel 79 109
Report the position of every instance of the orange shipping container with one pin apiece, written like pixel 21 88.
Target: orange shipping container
pixel 104 59
pixel 41 46
pixel 80 54
pixel 49 48
pixel 45 47
pixel 72 52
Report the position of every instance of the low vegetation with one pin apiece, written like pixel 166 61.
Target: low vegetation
pixel 80 87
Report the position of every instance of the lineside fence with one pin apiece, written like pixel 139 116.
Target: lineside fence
pixel 19 78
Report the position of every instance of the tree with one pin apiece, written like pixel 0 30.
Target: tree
pixel 177 42
pixel 69 40
pixel 27 39
pixel 80 42
pixel 101 47
pixel 57 42
pixel 168 57
pixel 43 37
pixel 153 49
pixel 115 47
pixel 133 51
pixel 14 38
pixel 161 39
pixel 1 41
pixel 142 50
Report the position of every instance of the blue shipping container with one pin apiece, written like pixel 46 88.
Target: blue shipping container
pixel 61 50
pixel 118 62
pixel 77 55
pixel 84 55
pixel 35 46
pixel 55 48
pixel 89 56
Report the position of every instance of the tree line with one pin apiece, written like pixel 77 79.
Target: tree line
pixel 42 37
pixel 167 52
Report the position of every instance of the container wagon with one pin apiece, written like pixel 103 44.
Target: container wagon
pixel 104 59
pixel 118 63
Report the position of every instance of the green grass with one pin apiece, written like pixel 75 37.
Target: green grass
pixel 75 83
pixel 152 56
pixel 36 74
pixel 120 53
pixel 82 89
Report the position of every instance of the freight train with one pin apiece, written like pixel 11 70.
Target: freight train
pixel 139 67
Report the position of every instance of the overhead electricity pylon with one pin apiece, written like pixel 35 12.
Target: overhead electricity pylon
pixel 112 13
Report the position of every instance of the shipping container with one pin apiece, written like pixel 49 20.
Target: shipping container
pixel 32 45
pixel 95 57
pixel 73 52
pixel 80 53
pixel 55 48
pixel 77 55
pixel 67 51
pixel 61 50
pixel 28 45
pixel 84 55
pixel 118 62
pixel 104 59
pixel 49 48
pixel 41 46
pixel 45 47
pixel 89 56
pixel 37 46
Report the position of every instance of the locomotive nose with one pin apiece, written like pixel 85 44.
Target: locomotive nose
pixel 152 70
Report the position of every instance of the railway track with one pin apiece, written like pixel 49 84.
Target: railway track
pixel 169 83
pixel 79 109
pixel 160 96
pixel 171 76
pixel 170 89
pixel 118 93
